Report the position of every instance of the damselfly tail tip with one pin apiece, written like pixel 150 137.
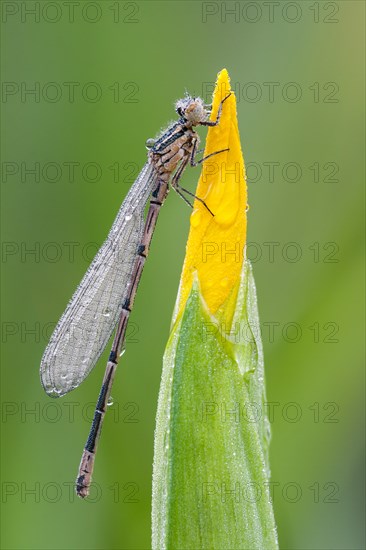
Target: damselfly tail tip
pixel 84 478
pixel 82 490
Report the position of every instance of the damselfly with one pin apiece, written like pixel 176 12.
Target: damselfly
pixel 107 292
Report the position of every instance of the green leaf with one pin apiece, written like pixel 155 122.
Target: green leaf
pixel 211 472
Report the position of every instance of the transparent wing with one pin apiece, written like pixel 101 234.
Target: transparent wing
pixel 92 313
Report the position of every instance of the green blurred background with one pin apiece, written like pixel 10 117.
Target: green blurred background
pixel 298 69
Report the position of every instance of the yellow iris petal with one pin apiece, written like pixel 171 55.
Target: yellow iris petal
pixel 215 247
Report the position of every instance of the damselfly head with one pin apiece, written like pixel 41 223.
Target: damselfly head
pixel 192 109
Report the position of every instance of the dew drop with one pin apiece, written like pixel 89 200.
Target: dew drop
pixel 110 401
pixel 196 218
pixel 150 143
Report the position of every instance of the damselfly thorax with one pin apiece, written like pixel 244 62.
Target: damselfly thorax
pixel 174 148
